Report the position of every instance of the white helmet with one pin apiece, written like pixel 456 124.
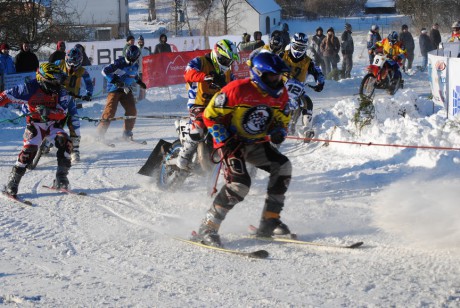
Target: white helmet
pixel 375 28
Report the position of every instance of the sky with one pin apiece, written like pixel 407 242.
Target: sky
pixel 116 247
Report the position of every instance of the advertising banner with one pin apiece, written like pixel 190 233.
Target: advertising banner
pixel 454 86
pixel 437 74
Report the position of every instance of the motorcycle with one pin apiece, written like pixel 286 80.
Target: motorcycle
pixel 298 102
pixel 379 76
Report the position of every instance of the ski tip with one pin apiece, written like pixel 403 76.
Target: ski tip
pixel 259 254
pixel 356 245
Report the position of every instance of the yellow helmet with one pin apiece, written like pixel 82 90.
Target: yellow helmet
pixel 223 55
pixel 50 77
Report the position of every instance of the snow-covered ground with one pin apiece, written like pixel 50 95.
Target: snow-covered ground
pixel 114 247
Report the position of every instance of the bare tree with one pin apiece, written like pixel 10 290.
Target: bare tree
pixel 40 22
pixel 424 12
pixel 204 8
pixel 152 10
pixel 231 11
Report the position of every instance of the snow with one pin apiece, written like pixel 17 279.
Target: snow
pixel 264 6
pixel 380 3
pixel 115 248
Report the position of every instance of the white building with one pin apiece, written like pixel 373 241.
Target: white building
pixel 107 19
pixel 258 15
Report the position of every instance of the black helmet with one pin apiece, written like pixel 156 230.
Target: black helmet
pixel 276 41
pixel 132 54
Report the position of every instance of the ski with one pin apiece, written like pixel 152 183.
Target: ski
pixel 257 254
pixel 142 142
pixel 66 191
pixel 294 240
pixel 16 199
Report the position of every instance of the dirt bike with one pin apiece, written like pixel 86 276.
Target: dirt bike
pixel 162 162
pixel 297 102
pixel 379 77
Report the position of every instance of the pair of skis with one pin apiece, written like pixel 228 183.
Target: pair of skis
pixel 263 254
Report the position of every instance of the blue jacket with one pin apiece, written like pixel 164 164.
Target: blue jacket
pixel 124 71
pixel 6 64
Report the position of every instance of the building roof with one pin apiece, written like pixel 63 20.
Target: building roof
pixel 379 3
pixel 264 6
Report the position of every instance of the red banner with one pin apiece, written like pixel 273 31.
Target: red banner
pixel 166 69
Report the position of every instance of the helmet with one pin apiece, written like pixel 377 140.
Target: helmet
pixel 140 38
pixel 50 77
pixel 276 41
pixel 74 58
pixel 375 28
pixel 299 44
pixel 456 25
pixel 393 37
pixel 266 71
pixel 223 55
pixel 132 54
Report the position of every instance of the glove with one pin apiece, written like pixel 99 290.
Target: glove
pixel 141 84
pixel 319 87
pixel 396 58
pixel 217 80
pixel 117 81
pixel 86 98
pixel 278 135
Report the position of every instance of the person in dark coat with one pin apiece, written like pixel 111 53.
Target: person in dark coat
pixel 408 43
pixel 285 35
pixel 26 60
pixel 330 47
pixel 347 48
pixel 435 35
pixel 86 60
pixel 162 46
pixel 258 42
pixel 315 48
pixel 59 54
pixel 6 61
pixel 425 46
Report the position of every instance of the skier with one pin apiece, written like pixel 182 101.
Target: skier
pixel 204 76
pixel 240 128
pixel 372 37
pixel 394 50
pixel 121 75
pixel 72 67
pixel 49 104
pixel 295 56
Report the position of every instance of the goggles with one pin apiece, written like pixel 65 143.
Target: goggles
pixel 224 61
pixel 298 47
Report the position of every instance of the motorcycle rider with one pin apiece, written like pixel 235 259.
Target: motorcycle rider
pixel 301 65
pixel 393 49
pixel 205 76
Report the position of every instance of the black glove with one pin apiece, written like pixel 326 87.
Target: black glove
pixel 86 98
pixel 278 135
pixel 141 84
pixel 217 79
pixel 118 82
pixel 319 87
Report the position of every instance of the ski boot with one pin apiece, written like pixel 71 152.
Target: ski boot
pixel 15 177
pixel 208 231
pixel 127 135
pixel 61 181
pixel 185 155
pixel 272 227
pixel 75 155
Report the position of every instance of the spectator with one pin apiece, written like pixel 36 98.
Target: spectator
pixel 59 54
pixel 347 51
pixel 408 43
pixel 246 44
pixel 315 48
pixel 425 46
pixel 6 61
pixel 26 60
pixel 144 52
pixel 435 36
pixel 455 37
pixel 258 40
pixel 372 37
pixel 162 46
pixel 285 35
pixel 86 60
pixel 129 42
pixel 330 47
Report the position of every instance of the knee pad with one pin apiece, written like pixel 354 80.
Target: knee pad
pixel 26 156
pixel 30 132
pixel 61 141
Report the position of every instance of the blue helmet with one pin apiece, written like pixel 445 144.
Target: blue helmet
pixel 266 71
pixel 132 54
pixel 74 58
pixel 299 44
pixel 393 37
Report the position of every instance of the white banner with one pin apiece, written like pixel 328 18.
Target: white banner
pixel 454 86
pixel 105 52
pixel 437 74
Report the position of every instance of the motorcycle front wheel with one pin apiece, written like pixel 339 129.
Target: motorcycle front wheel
pixel 367 87
pixel 170 177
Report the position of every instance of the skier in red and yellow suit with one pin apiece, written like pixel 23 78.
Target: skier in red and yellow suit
pixel 242 118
